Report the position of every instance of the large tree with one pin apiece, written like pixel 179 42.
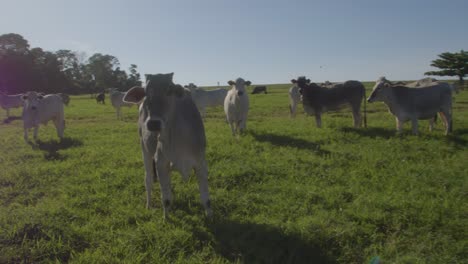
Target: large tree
pixel 451 64
pixel 25 69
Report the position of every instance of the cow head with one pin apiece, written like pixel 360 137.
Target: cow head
pixel 31 100
pixel 380 91
pixel 157 99
pixel 239 85
pixel 301 81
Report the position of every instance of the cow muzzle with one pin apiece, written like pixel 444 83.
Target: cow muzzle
pixel 239 93
pixel 154 125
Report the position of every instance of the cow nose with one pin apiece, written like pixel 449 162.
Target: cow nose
pixel 154 125
pixel 239 93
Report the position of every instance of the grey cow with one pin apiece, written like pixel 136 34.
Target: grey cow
pixel 413 104
pixel 317 100
pixel 172 136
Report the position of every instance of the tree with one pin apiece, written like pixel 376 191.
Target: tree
pixel 451 64
pixel 134 77
pixel 103 67
pixel 14 43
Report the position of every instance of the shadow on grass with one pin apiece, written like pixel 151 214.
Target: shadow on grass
pixel 287 141
pixel 51 148
pixel 374 132
pixel 260 243
pixel 11 118
pixel 371 132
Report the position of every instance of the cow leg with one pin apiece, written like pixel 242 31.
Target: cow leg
pixel 318 119
pixel 399 126
pixel 118 113
pixel 59 126
pixel 233 129
pixel 202 175
pixel 25 135
pixel 8 113
pixel 414 124
pixel 36 128
pixel 162 170
pixel 243 125
pixel 356 118
pixel 148 160
pixel 446 118
pixel 431 124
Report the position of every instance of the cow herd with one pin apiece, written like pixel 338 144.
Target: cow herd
pixel 170 123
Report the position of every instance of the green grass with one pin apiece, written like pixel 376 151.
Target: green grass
pixel 286 192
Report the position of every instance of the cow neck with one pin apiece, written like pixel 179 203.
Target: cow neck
pixel 391 103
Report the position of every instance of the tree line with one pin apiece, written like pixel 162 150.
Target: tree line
pixel 23 69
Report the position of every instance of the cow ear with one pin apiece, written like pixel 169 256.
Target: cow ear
pixel 24 97
pixel 387 84
pixel 308 81
pixel 293 80
pixel 134 95
pixel 231 82
pixel 248 83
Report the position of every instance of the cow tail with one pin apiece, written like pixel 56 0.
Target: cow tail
pixel 365 110
pixel 154 170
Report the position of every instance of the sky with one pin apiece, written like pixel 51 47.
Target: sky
pixel 264 41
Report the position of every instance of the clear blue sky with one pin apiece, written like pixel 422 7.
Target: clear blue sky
pixel 265 41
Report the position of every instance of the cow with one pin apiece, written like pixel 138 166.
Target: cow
pixel 294 99
pixel 236 105
pixel 116 98
pixel 206 98
pixel 425 82
pixel 317 100
pixel 10 101
pixel 259 89
pixel 65 98
pixel 407 103
pixel 100 98
pixel 172 136
pixel 38 109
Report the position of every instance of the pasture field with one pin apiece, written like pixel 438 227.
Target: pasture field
pixel 285 192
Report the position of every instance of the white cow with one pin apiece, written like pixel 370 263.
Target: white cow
pixel 236 105
pixel 172 136
pixel 204 98
pixel 10 101
pixel 116 98
pixel 294 100
pixel 40 109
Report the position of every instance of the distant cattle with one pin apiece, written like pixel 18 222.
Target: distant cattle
pixel 100 98
pixel 294 99
pixel 10 101
pixel 172 136
pixel 65 98
pixel 40 109
pixel 317 100
pixel 259 89
pixel 206 98
pixel 236 105
pixel 413 104
pixel 116 98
